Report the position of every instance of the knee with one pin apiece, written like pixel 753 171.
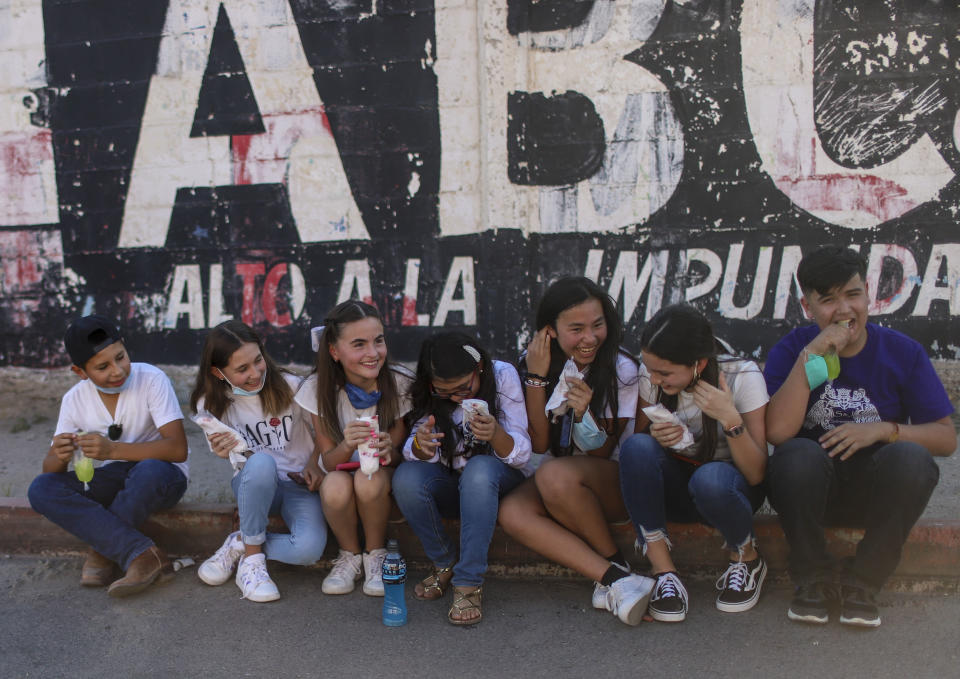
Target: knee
pixel 640 452
pixel 260 465
pixel 797 462
pixel 309 547
pixel 370 489
pixel 911 465
pixel 512 513
pixel 555 481
pixel 714 483
pixel 42 491
pixel 480 475
pixel 407 483
pixel 336 491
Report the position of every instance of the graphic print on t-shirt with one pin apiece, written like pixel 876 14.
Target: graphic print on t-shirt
pixel 838 406
pixel 271 434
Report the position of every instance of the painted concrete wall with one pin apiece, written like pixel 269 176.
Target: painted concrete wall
pixel 174 163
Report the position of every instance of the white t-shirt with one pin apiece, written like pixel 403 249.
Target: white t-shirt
pixel 512 418
pixel 749 391
pixel 147 402
pixel 627 374
pixel 286 436
pixel 346 413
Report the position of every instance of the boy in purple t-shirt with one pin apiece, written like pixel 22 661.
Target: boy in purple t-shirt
pixel 852 450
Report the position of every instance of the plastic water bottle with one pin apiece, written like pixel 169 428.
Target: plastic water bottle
pixel 394 587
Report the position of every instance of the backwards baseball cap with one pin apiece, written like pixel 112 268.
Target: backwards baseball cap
pixel 88 336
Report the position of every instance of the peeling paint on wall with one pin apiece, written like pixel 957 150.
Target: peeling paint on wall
pixel 175 163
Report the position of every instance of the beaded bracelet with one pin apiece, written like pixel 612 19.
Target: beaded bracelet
pixel 532 382
pixel 537 377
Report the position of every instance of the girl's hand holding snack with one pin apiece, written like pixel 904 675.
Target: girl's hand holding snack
pixel 579 396
pixel 667 435
pixel 484 427
pixel 355 433
pixel 222 443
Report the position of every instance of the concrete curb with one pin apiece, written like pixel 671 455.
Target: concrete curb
pixel 931 556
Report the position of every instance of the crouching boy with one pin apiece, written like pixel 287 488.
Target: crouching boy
pixel 856 411
pixel 127 416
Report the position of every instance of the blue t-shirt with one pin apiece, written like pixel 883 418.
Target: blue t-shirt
pixel 890 380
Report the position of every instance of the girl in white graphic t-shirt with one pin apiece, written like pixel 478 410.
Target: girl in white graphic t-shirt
pixel 240 385
pixel 354 379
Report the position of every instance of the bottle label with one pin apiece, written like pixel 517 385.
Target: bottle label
pixel 394 572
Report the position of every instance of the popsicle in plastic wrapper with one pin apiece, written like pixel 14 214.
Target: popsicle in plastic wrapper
pixel 368 452
pixel 82 466
pixel 661 415
pixel 211 425
pixel 557 403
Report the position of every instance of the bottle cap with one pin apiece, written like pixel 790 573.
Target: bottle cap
pixel 393 545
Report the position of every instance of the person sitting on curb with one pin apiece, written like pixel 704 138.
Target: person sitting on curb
pixel 854 443
pixel 126 415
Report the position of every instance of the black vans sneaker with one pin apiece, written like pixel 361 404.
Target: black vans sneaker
pixel 858 607
pixel 740 585
pixel 810 604
pixel 669 600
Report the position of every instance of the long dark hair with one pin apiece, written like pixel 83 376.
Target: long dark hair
pixel 331 378
pixel 602 377
pixel 276 395
pixel 680 334
pixel 445 356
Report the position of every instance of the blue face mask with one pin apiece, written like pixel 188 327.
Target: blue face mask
pixel 111 390
pixel 243 392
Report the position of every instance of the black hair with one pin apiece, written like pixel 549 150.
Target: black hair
pixel 602 377
pixel 681 334
pixel 830 267
pixel 447 356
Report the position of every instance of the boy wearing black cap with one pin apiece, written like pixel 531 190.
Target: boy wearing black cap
pixel 126 415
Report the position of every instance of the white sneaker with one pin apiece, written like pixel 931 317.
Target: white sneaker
pixel 218 568
pixel 344 575
pixel 373 572
pixel 627 598
pixel 600 596
pixel 254 581
pixel 600 591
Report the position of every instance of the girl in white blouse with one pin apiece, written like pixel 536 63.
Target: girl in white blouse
pixel 706 465
pixel 564 511
pixel 460 461
pixel 354 379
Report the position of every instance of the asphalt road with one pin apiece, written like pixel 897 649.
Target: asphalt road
pixel 532 628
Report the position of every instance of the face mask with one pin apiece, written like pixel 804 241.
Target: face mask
pixel 111 390
pixel 243 392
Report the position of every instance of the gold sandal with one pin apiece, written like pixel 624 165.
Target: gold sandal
pixel 433 587
pixel 466 601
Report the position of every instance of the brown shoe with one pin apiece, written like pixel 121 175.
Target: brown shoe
pixel 97 570
pixel 143 572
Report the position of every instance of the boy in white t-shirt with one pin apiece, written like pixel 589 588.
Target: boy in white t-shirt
pixel 126 415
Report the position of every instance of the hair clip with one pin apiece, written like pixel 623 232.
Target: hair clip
pixel 474 354
pixel 315 336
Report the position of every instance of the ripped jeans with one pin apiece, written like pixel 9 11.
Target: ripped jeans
pixel 658 487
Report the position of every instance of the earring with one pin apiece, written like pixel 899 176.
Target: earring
pixel 696 373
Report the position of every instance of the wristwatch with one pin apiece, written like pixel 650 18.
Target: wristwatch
pixel 735 431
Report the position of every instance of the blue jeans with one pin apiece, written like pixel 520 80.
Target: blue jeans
pixel 883 489
pixel 261 494
pixel 426 492
pixel 658 487
pixel 121 497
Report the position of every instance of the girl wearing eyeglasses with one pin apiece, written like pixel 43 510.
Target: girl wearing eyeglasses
pixel 564 511
pixel 462 457
pixel 354 379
